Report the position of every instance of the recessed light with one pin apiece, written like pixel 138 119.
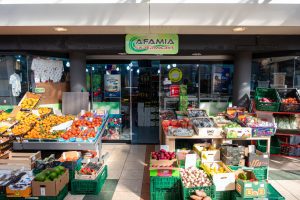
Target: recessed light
pixel 239 29
pixel 196 54
pixel 60 29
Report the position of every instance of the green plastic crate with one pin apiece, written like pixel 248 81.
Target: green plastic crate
pixel 261 173
pixel 224 195
pixel 268 93
pixel 165 195
pixel 60 196
pixel 275 145
pixel 272 194
pixel 187 192
pixel 92 187
pixel 164 183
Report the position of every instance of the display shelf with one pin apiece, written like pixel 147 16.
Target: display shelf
pixel 287 134
pixel 28 145
pixel 269 112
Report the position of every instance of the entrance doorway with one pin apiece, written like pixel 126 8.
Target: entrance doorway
pixel 134 111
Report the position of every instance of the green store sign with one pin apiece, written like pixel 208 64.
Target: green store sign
pixel 152 44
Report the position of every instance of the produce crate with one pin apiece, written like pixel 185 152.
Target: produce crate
pixel 164 184
pixel 86 187
pixel 290 149
pixel 268 93
pixel 164 168
pixel 275 146
pixel 224 195
pixel 272 194
pixel 61 196
pixel 261 173
pixel 165 195
pixel 187 192
pixel 19 160
pixel 289 93
pixel 181 163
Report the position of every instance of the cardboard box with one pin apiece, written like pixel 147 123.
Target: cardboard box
pixel 13 160
pixel 251 189
pixel 240 132
pixel 210 156
pixel 198 148
pixel 50 188
pixel 223 181
pixel 257 159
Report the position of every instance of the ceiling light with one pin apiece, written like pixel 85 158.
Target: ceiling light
pixel 128 68
pixel 173 65
pixel 239 29
pixel 138 71
pixel 68 64
pixel 60 29
pixel 118 69
pixel 196 54
pixel 169 66
pixel 158 71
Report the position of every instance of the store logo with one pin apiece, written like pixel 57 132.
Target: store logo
pixel 152 44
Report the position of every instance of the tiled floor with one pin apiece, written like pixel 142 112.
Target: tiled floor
pixel 128 177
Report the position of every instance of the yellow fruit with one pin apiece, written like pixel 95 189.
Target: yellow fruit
pixel 4 116
pixel 29 103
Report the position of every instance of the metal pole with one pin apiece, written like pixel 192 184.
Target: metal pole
pixel 199 85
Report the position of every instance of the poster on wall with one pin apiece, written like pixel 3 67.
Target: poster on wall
pixel 221 79
pixel 112 85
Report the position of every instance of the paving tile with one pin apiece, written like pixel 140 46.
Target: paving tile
pixel 284 174
pixel 283 191
pixel 110 185
pixel 132 174
pixel 115 165
pixel 125 195
pixel 114 173
pixel 74 197
pixel 136 158
pixel 134 165
pixel 125 185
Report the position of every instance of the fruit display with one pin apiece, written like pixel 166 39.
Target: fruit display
pixel 50 174
pixel 200 195
pixel 193 177
pixel 29 120
pixel 163 155
pixel 252 121
pixel 44 111
pixel 203 122
pixel 180 131
pixel 290 100
pixel 21 129
pixel 42 128
pixel 267 100
pixel 214 168
pixel 235 130
pixel 167 115
pixel 29 103
pixel 90 168
pixel 233 111
pixel 183 123
pixel 221 121
pixel 21 115
pixel 75 132
pixel 4 116
pixel 3 128
pixel 196 113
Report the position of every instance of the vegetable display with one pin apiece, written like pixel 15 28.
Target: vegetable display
pixel 196 113
pixel 202 122
pixel 163 155
pixel 290 100
pixel 50 174
pixel 200 195
pixel 193 177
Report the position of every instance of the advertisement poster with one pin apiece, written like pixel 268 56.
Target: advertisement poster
pixel 112 85
pixel 221 79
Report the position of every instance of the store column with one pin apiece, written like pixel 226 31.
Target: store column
pixel 77 71
pixel 242 79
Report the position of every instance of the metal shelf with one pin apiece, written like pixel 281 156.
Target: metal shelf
pixel 61 145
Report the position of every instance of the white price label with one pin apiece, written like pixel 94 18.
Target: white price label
pixel 43 191
pixel 190 160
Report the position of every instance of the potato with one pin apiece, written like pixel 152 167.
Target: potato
pixel 194 197
pixel 200 193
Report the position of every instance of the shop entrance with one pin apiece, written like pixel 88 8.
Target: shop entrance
pixel 134 91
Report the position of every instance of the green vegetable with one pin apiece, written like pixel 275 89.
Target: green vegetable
pixel 40 177
pixel 53 176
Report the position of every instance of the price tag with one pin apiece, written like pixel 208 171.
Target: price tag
pixel 190 160
pixel 165 147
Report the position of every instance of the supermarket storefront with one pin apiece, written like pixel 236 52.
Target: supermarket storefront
pixel 134 88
